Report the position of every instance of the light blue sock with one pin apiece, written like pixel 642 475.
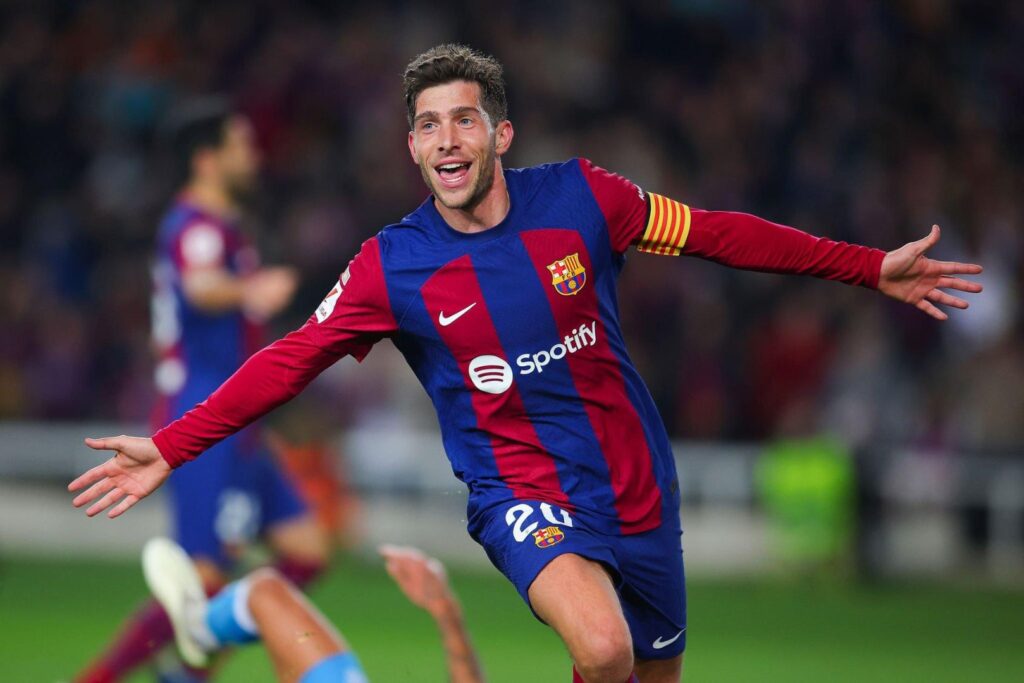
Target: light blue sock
pixel 228 615
pixel 342 667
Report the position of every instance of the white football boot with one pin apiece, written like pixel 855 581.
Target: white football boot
pixel 175 583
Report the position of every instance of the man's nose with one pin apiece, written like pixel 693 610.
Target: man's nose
pixel 448 139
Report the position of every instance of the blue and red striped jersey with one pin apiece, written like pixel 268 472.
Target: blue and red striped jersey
pixel 196 350
pixel 514 333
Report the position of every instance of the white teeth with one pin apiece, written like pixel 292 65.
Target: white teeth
pixel 450 167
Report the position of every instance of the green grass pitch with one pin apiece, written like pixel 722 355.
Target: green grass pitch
pixel 55 615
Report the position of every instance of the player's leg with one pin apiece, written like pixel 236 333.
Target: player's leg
pixel 213 519
pixel 261 606
pixel 567 572
pixel 194 494
pixel 660 670
pixel 301 548
pixel 576 597
pixel 297 635
pixel 653 596
pixel 145 631
pixel 300 544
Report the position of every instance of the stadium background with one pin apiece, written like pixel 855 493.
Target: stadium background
pixel 864 121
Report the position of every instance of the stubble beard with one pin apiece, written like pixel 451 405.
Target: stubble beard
pixel 483 184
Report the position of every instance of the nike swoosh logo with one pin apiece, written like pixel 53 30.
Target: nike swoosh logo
pixel 448 320
pixel 659 643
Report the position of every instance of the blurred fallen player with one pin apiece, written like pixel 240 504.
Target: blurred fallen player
pixel 303 645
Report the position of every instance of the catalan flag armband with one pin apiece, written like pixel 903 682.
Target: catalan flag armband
pixel 667 226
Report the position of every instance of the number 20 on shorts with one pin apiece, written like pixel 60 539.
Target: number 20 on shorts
pixel 519 515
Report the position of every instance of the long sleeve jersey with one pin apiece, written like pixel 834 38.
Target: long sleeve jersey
pixel 514 333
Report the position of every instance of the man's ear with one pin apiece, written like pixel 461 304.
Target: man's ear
pixel 503 135
pixel 412 148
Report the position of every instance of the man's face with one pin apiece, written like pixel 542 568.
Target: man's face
pixel 238 157
pixel 455 144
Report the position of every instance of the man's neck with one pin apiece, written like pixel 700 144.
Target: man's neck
pixel 486 214
pixel 211 198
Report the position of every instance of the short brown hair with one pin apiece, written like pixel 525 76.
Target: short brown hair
pixel 454 62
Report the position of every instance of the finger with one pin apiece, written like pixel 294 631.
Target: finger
pixel 93 493
pixel 435 566
pixel 957 283
pixel 107 443
pixel 90 477
pixel 129 500
pixel 950 267
pixel 946 299
pixel 926 243
pixel 399 552
pixel 106 501
pixel 931 310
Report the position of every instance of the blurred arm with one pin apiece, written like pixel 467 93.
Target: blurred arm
pixel 463 665
pixel 423 580
pixel 261 294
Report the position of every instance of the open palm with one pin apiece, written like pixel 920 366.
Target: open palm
pixel 909 276
pixel 135 471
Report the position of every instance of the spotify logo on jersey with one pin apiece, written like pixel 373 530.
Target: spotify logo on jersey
pixel 490 374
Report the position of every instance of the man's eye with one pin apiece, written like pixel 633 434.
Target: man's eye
pixel 465 121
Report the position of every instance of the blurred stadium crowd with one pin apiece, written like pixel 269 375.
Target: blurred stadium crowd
pixel 863 121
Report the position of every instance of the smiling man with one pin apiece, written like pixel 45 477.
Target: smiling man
pixel 500 292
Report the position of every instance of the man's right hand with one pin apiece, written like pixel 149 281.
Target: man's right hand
pixel 267 291
pixel 135 471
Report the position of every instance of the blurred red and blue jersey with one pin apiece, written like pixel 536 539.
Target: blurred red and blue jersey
pixel 196 350
pixel 514 333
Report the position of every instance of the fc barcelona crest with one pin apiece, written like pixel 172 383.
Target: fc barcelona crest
pixel 547 537
pixel 568 275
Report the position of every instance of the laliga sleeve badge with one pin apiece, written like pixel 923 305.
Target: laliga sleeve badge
pixel 547 537
pixel 326 307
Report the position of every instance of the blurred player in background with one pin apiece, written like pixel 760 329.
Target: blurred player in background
pixel 209 302
pixel 500 292
pixel 302 643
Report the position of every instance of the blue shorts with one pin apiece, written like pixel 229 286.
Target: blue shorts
pixel 522 536
pixel 229 496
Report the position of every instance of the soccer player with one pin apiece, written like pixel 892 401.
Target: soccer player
pixel 209 302
pixel 302 643
pixel 500 292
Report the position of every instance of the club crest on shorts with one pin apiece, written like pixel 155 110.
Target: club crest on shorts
pixel 545 538
pixel 568 275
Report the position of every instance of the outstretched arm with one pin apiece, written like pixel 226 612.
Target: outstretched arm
pixel 354 316
pixel 744 241
pixel 660 225
pixel 140 465
pixel 424 582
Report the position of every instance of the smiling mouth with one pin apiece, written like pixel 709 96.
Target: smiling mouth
pixel 453 174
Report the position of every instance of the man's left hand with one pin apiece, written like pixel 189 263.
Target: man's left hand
pixel 909 276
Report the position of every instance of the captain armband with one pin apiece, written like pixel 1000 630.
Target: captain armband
pixel 668 225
